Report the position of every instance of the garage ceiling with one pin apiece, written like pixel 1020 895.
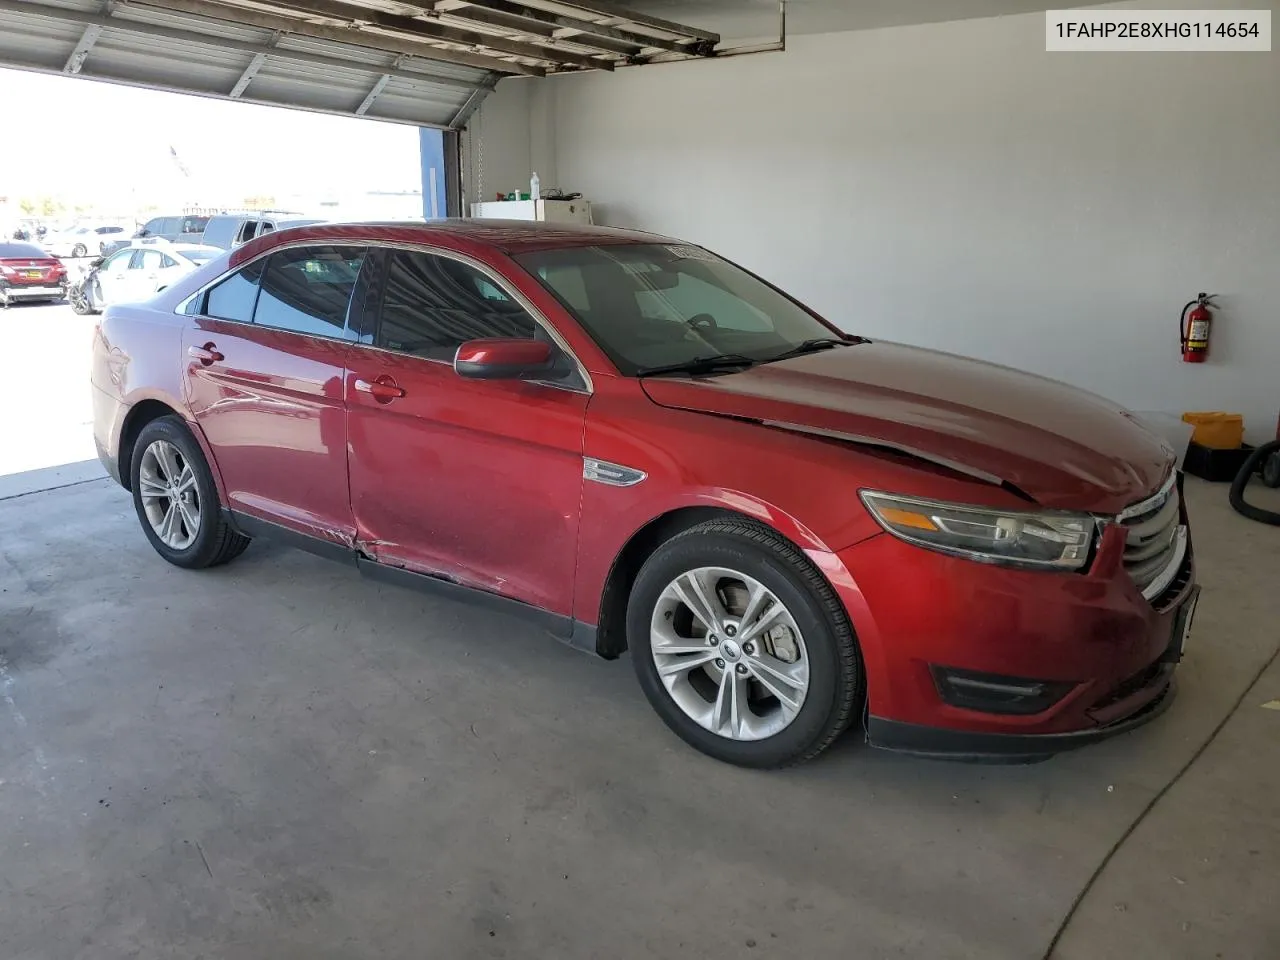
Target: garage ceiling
pixel 428 63
pixel 759 18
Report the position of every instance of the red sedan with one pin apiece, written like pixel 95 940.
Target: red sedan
pixel 29 275
pixel 646 448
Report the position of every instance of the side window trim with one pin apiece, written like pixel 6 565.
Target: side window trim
pixel 373 314
pixel 343 336
pixel 364 311
pixel 371 309
pixel 197 305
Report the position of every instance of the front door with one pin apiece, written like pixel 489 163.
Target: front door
pixel 475 480
pixel 265 359
pixel 114 279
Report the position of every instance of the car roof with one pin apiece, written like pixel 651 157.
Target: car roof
pixel 508 236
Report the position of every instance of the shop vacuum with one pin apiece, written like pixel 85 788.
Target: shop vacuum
pixel 1265 460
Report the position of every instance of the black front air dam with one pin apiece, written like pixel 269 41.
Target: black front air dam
pixel 942 744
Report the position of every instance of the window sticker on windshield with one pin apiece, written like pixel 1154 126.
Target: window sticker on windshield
pixel 686 252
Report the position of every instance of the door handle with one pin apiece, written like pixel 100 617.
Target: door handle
pixel 383 389
pixel 205 354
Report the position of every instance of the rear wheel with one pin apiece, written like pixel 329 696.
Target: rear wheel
pixel 79 250
pixel 176 499
pixel 742 647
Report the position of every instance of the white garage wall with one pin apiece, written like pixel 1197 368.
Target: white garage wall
pixel 496 143
pixel 954 185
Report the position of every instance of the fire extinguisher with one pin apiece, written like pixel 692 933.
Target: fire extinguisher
pixel 1193 328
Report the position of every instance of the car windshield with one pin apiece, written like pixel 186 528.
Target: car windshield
pixel 655 305
pixel 200 256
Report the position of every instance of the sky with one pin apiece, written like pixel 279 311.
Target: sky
pixel 84 139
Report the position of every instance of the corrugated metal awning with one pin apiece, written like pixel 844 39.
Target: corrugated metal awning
pixel 428 63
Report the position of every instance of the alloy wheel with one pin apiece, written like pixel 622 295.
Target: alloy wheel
pixel 729 653
pixel 170 496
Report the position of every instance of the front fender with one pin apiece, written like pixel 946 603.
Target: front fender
pixel 611 520
pixel 798 486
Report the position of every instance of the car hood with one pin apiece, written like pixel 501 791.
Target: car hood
pixel 1064 447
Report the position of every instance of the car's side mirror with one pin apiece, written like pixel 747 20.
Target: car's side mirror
pixel 504 359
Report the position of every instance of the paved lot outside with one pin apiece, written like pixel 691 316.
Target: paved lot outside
pixel 45 410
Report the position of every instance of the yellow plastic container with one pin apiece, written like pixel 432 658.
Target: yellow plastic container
pixel 1218 431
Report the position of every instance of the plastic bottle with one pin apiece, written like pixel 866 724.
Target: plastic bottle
pixel 535 187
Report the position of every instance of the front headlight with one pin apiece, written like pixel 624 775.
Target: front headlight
pixel 1058 541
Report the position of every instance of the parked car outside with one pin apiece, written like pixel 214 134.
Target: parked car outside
pixel 644 447
pixel 29 275
pixel 137 272
pixel 230 230
pixel 175 229
pixel 84 240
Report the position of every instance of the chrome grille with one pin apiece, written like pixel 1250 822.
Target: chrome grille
pixel 1156 542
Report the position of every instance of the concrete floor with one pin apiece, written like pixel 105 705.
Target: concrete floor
pixel 278 759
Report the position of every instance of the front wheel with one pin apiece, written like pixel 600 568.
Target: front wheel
pixel 79 300
pixel 742 647
pixel 176 499
pixel 79 250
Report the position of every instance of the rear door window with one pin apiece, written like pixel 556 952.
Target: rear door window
pixel 150 260
pixel 308 289
pixel 234 297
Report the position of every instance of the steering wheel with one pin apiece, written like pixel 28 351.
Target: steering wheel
pixel 702 320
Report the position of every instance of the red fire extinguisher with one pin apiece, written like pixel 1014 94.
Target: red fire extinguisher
pixel 1193 328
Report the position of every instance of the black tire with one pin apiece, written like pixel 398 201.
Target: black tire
pixel 79 301
pixel 79 250
pixel 836 677
pixel 215 542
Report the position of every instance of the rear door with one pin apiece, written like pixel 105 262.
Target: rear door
pixel 265 362
pixel 148 266
pixel 476 480
pixel 170 270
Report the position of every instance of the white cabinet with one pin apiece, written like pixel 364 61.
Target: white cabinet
pixel 550 211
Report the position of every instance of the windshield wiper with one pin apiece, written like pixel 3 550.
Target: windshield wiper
pixel 719 361
pixel 816 344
